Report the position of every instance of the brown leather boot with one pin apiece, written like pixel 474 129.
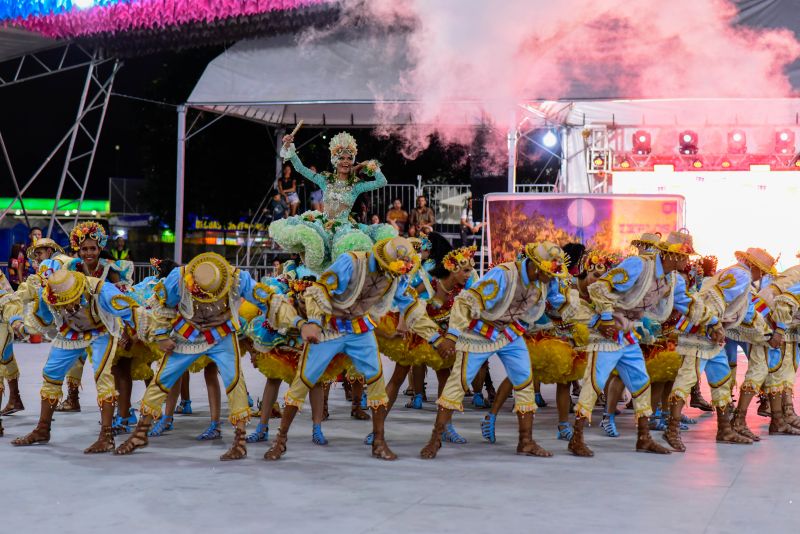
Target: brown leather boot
pixel 14 400
pixel 644 441
pixel 526 445
pixel 429 451
pixel 726 433
pixel 380 449
pixel 238 448
pixel 788 410
pixel 697 401
pixel 739 422
pixel 576 444
pixel 73 402
pixel 279 445
pixel 40 434
pixel 777 423
pixel 672 435
pixel 138 439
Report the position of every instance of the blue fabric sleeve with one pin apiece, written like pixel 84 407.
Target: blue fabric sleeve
pixel 115 302
pixel 337 277
pixel 491 287
pixel 622 277
pixel 167 289
pixel 733 283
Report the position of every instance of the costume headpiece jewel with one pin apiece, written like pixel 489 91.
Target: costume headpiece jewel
pixel 599 261
pixel 342 143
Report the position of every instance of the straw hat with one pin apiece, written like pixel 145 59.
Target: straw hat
pixel 759 258
pixel 44 242
pixel 548 257
pixel 680 243
pixel 208 277
pixel 396 256
pixel 64 287
pixel 647 240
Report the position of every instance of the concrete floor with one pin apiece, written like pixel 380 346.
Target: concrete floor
pixel 178 485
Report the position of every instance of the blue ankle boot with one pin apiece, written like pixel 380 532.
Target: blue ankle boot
pixel 477 401
pixel 317 437
pixel 214 431
pixel 369 439
pixel 261 434
pixel 163 424
pixel 609 425
pixel 565 431
pixel 364 401
pixel 416 402
pixel 184 407
pixel 451 436
pixel 540 402
pixel 487 427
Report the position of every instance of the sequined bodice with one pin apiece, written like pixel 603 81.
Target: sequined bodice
pixel 338 199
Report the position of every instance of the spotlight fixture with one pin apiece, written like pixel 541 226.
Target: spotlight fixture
pixel 642 143
pixel 688 142
pixel 549 139
pixel 726 164
pixel 599 162
pixel 784 142
pixel 737 142
pixel 697 164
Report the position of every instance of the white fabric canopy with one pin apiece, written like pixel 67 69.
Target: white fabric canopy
pixel 15 42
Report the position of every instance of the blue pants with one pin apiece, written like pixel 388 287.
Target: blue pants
pixel 515 359
pixel 59 361
pixel 363 352
pixel 731 350
pixel 225 354
pixel 629 363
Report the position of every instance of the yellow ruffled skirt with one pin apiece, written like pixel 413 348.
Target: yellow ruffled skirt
pixel 661 361
pixel 404 349
pixel 554 360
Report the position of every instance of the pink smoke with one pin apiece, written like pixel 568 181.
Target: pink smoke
pixel 500 54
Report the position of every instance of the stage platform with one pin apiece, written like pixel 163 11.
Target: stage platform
pixel 178 485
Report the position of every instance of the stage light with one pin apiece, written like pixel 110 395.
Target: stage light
pixel 725 164
pixel 737 142
pixel 697 164
pixel 599 162
pixel 642 143
pixel 784 142
pixel 688 142
pixel 549 139
pixel 94 212
pixel 18 212
pixel 797 163
pixel 83 4
pixel 625 164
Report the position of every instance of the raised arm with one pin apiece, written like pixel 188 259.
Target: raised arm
pixel 379 181
pixel 289 153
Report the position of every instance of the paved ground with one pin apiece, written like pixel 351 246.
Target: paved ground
pixel 178 485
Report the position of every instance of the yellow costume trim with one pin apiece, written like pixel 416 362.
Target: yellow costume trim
pixel 488 289
pixel 450 404
pixel 241 416
pixel 160 292
pixel 120 302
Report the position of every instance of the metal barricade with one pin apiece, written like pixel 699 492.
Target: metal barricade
pixel 535 188
pixel 447 203
pixel 380 201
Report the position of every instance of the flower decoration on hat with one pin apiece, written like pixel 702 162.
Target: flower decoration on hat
pixel 678 244
pixel 87 230
pixel 396 256
pixel 599 261
pixel 548 258
pixel 64 287
pixel 341 144
pixel 208 277
pixel 460 258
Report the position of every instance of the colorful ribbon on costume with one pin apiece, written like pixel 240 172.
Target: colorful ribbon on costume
pixel 73 335
pixel 212 335
pixel 490 332
pixel 355 326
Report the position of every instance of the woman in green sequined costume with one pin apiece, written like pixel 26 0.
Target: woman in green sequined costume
pixel 320 237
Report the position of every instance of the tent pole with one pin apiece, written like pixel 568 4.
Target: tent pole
pixel 512 155
pixel 564 160
pixel 179 183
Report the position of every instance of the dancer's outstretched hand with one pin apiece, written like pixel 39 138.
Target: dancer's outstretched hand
pixel 609 331
pixel 288 140
pixel 311 333
pixel 776 340
pixel 446 348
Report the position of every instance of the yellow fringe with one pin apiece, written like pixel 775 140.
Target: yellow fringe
pixel 278 363
pixel 51 398
pixel 583 411
pixel 444 402
pixel 749 387
pixel 777 388
pixel 107 396
pixel 377 403
pixel 722 403
pixel 525 408
pixel 74 382
pixel 152 411
pixel 678 394
pixel 288 400
pixel 554 361
pixel 199 364
pixel 662 364
pixel 643 413
pixel 240 416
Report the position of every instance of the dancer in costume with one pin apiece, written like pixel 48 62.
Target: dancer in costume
pixel 342 307
pixel 454 273
pixel 727 296
pixel 197 314
pixel 490 318
pixel 277 354
pixel 640 286
pixel 321 237
pixel 10 310
pixel 90 315
pixel 764 330
pixel 557 348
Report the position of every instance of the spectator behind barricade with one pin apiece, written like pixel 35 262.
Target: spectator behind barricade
pixel 17 265
pixel 278 208
pixel 316 195
pixel 120 250
pixel 363 211
pixel 398 217
pixel 469 228
pixel 374 219
pixel 287 186
pixel 422 218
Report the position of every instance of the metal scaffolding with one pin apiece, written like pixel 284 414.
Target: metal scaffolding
pixel 82 136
